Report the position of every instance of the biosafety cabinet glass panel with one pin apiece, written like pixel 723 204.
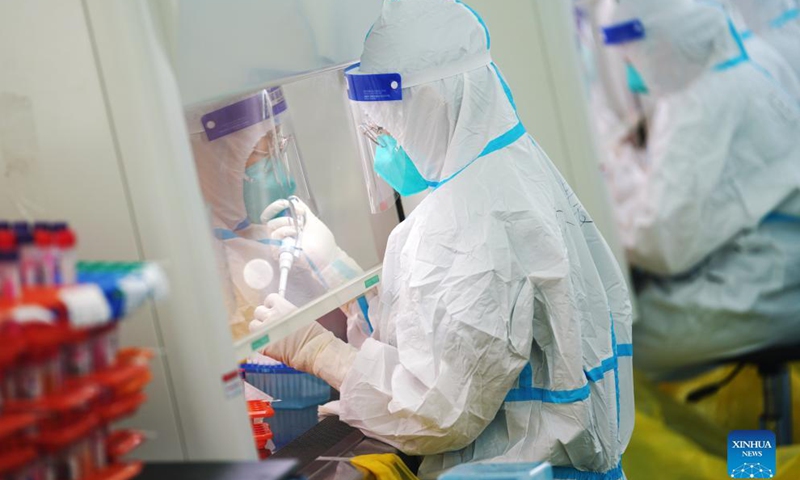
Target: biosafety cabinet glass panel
pixel 279 172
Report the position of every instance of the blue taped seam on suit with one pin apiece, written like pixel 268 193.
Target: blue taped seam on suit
pixel 526 376
pixel 569 473
pixel 596 374
pixel 548 396
pixel 743 56
pixel 730 63
pixel 224 234
pixel 498 143
pixel 615 364
pixel 242 225
pixel 526 392
pixel 737 37
pixel 362 302
pixel 480 20
pixel 505 86
pixel 270 242
pixel 785 17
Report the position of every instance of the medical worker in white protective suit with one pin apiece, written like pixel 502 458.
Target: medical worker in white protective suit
pixel 716 225
pixel 777 22
pixel 625 147
pixel 502 325
pixel 240 175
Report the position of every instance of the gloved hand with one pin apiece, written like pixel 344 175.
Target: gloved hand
pixel 332 266
pixel 312 349
pixel 330 409
pixel 274 308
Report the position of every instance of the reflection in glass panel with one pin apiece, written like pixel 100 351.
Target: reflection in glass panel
pixel 279 172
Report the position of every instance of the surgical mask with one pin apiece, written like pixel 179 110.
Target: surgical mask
pixel 394 166
pixel 635 81
pixel 266 182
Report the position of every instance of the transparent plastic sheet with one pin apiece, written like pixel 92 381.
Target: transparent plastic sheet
pixel 376 106
pixel 247 158
pixel 275 162
pixel 286 152
pixel 381 195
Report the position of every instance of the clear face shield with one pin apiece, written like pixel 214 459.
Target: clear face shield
pixel 376 107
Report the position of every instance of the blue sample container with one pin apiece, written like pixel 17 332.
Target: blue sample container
pixel 500 471
pixel 286 425
pixel 295 389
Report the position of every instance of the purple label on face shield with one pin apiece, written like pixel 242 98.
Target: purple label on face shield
pixel 243 114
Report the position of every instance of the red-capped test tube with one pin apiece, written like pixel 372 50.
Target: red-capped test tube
pixel 29 258
pixel 66 258
pixel 43 239
pixel 9 266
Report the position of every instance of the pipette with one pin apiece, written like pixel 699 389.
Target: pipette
pixel 290 247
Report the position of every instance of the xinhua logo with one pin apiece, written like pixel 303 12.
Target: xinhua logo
pixel 751 454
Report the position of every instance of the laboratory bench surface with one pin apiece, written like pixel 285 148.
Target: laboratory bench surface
pixel 334 438
pixel 298 459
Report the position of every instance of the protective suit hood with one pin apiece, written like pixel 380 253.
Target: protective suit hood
pixel 456 111
pixel 221 164
pixel 681 40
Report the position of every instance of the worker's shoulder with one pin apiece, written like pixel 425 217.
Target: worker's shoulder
pixel 734 87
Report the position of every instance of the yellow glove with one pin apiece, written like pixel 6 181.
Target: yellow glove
pixel 382 466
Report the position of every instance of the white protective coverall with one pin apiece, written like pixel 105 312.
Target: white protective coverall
pixel 764 52
pixel 502 325
pixel 716 223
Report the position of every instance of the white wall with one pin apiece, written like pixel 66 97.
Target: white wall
pixel 221 48
pixel 59 160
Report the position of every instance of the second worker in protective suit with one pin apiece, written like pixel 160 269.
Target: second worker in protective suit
pixel 714 224
pixel 502 328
